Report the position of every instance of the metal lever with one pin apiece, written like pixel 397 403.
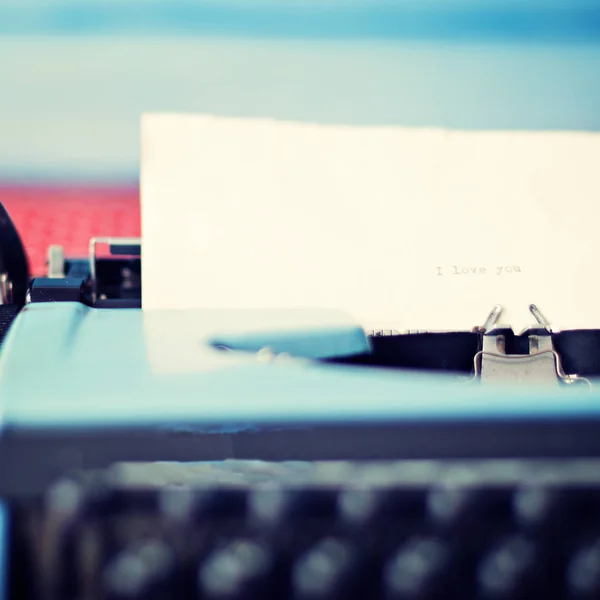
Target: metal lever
pixel 56 262
pixel 541 365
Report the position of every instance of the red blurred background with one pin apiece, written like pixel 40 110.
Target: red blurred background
pixel 69 216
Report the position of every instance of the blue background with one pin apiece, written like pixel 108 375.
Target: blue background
pixel 75 76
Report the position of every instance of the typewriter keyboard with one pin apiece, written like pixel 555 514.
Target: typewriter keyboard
pixel 310 531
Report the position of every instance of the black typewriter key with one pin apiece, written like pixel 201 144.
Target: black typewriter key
pixel 63 516
pixel 276 505
pixel 135 500
pixel 465 506
pixel 422 569
pixel 583 574
pixel 177 503
pixel 203 504
pixel 327 571
pixel 105 501
pixel 461 499
pixel 512 571
pixel 240 570
pixel 553 509
pixel 225 502
pixel 144 571
pixel 366 506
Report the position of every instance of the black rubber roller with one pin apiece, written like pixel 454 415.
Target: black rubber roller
pixel 13 260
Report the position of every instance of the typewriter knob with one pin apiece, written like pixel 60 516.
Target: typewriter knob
pixel 326 572
pixel 420 570
pixel 583 574
pixel 142 572
pixel 14 267
pixel 511 571
pixel 238 571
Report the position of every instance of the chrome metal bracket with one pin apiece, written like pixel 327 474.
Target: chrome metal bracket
pixel 128 246
pixel 541 365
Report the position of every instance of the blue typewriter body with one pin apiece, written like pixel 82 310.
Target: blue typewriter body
pixel 268 435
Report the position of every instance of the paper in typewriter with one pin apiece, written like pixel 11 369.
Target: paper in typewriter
pixel 402 228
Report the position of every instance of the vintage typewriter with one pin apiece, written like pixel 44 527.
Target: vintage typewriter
pixel 307 460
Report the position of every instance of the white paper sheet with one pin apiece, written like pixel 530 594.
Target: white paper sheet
pixel 402 228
